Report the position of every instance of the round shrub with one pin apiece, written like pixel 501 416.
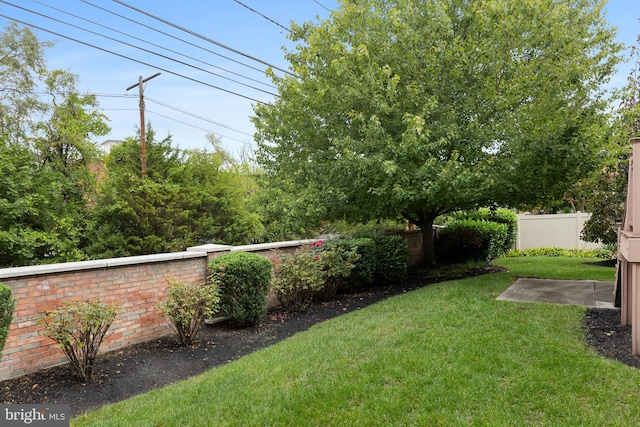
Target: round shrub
pixel 243 279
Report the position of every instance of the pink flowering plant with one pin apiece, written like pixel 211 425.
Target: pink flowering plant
pixel 313 272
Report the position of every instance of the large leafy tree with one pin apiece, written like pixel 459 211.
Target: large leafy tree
pixel 604 193
pixel 65 151
pixel 45 153
pixel 22 67
pixel 22 224
pixel 419 108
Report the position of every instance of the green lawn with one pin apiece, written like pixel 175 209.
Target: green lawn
pixel 448 354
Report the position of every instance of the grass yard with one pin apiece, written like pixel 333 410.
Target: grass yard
pixel 448 354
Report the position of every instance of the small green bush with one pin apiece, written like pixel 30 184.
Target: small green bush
pixel 337 264
pixel 297 277
pixel 391 256
pixel 312 272
pixel 471 240
pixel 185 307
pixel 7 305
pixel 79 328
pixel 243 279
pixel 364 268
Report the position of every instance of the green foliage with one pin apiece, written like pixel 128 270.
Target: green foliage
pixel 561 252
pixel 391 256
pixel 337 265
pixel 604 192
pixel 186 305
pixel 186 199
pixel 22 68
pixel 22 203
pixel 500 216
pixel 312 272
pixel 284 215
pixel 79 328
pixel 243 279
pixel 43 211
pixel 471 240
pixel 45 152
pixel 448 354
pixel 364 268
pixel 376 226
pixel 417 109
pixel 7 305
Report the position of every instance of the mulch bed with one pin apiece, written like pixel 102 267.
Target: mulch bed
pixel 608 337
pixel 121 374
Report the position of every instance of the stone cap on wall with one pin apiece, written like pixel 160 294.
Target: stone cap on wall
pixel 15 272
pixel 209 248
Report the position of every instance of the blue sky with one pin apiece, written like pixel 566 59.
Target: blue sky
pixel 176 105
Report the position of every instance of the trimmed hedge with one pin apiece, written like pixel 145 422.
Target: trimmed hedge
pixel 244 279
pixel 7 305
pixel 500 216
pixel 391 256
pixel 471 240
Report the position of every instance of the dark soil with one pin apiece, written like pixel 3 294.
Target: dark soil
pixel 607 336
pixel 121 374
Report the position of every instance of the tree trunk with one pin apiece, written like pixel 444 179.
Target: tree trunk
pixel 428 247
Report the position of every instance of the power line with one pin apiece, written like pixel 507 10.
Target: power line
pixel 137 47
pixel 173 37
pixel 132 59
pixel 320 4
pixel 193 126
pixel 265 17
pixel 155 101
pixel 196 116
pixel 193 33
pixel 154 44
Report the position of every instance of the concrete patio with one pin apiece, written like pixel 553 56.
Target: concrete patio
pixel 589 293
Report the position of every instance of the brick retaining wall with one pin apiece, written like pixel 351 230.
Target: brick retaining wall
pixel 137 284
pixel 136 288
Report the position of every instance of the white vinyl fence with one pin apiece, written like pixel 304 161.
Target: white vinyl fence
pixel 552 231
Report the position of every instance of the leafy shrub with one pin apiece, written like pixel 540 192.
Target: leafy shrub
pixel 391 256
pixel 337 264
pixel 79 328
pixel 556 252
pixel 471 240
pixel 243 279
pixel 364 268
pixel 7 305
pixel 185 307
pixel 500 216
pixel 296 278
pixel 312 272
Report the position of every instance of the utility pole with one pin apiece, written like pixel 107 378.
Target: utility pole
pixel 143 141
